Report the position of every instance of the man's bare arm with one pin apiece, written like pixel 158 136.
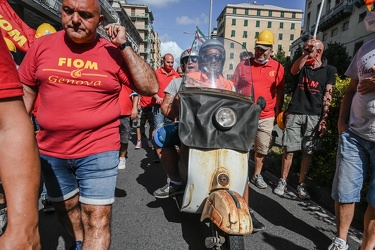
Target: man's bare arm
pixel 143 76
pixel 20 175
pixel 30 94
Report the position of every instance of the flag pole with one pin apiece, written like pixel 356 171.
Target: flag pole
pixel 210 21
pixel 318 19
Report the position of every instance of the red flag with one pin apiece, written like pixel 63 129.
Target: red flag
pixel 14 28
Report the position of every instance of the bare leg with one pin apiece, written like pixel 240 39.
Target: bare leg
pixel 97 226
pixel 169 160
pixel 286 163
pixel 344 215
pixel 305 165
pixel 368 241
pixel 69 215
pixel 139 135
pixel 258 160
pixel 123 149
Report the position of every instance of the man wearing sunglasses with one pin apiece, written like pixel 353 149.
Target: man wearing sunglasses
pixel 169 108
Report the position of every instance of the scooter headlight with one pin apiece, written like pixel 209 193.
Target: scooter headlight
pixel 225 118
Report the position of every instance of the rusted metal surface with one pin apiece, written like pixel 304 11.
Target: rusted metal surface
pixel 221 209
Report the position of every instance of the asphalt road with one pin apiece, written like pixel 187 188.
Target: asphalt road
pixel 142 222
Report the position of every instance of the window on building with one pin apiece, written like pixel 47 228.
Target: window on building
pixel 309 5
pixel 256 34
pixel 325 36
pixel 293 15
pixel 231 66
pixel 292 37
pixel 234 10
pixel 281 26
pixel 334 32
pixel 328 6
pixel 270 13
pixel 280 36
pixel 244 45
pixel 246 12
pixel 258 13
pixel 293 26
pixel 233 22
pixel 232 45
pixel 244 34
pixel 245 22
pixel 362 16
pixel 231 56
pixel 282 14
pixel 233 33
pixel 269 25
pixel 132 11
pixel 257 24
pixel 279 47
pixel 345 26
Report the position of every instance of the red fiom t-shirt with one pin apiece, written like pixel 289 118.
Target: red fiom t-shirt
pixel 79 88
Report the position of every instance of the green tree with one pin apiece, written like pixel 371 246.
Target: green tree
pixel 337 56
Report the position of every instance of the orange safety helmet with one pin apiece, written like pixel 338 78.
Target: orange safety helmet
pixel 280 119
pixel 44 29
pixel 10 45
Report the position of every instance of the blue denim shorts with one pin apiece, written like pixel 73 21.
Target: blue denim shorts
pixel 354 157
pixel 93 177
pixel 159 118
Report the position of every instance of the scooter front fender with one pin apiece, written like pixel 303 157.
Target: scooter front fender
pixel 228 211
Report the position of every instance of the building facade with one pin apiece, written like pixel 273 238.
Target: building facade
pixel 142 18
pixel 243 22
pixel 341 21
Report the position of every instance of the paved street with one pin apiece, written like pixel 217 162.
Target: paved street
pixel 142 222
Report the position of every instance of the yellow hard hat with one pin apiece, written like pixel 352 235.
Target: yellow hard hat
pixel 44 29
pixel 280 119
pixel 10 45
pixel 265 38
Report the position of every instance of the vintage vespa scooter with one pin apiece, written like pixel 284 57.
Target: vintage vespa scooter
pixel 217 127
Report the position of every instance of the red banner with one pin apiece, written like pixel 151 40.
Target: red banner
pixel 14 28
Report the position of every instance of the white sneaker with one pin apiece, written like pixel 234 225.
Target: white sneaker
pixel 338 244
pixel 138 145
pixel 302 192
pixel 281 186
pixel 122 163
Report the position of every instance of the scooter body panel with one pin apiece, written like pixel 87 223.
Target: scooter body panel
pixel 203 169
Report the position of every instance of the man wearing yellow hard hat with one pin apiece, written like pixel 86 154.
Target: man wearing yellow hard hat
pixel 267 77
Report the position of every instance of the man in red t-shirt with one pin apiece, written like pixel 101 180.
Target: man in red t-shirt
pixel 267 77
pixel 145 114
pixel 164 75
pixel 19 160
pixel 129 111
pixel 79 75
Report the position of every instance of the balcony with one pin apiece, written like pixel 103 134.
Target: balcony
pixel 335 15
pixel 110 14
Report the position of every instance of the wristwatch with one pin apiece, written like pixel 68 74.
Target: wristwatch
pixel 124 45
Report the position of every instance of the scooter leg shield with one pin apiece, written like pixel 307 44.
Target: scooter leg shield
pixel 228 211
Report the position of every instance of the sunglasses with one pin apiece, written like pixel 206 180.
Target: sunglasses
pixel 210 57
pixel 193 59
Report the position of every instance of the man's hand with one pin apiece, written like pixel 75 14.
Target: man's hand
pixel 158 99
pixel 366 86
pixel 322 127
pixel 116 33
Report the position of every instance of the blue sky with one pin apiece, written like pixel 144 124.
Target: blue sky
pixel 175 20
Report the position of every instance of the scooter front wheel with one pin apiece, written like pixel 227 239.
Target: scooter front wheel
pixel 224 241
